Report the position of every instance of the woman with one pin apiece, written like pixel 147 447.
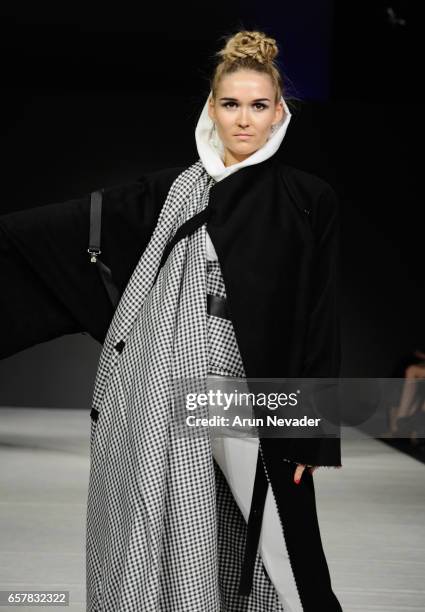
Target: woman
pixel 167 519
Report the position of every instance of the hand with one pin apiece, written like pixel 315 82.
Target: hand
pixel 300 470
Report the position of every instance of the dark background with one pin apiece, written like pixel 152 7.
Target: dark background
pixel 95 96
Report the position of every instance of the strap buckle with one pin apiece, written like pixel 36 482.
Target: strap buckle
pixel 93 253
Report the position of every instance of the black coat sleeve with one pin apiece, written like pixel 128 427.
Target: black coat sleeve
pixel 322 349
pixel 49 286
pixel 323 346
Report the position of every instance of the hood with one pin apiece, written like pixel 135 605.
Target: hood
pixel 211 150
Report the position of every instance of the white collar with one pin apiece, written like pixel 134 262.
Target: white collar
pixel 211 150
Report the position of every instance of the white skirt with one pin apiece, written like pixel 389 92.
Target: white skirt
pixel 237 458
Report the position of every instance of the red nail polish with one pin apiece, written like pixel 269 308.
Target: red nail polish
pixel 297 481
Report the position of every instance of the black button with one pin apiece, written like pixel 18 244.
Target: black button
pixel 120 345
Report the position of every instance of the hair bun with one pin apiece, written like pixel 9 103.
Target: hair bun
pixel 250 44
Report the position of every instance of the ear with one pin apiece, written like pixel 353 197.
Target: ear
pixel 279 112
pixel 211 109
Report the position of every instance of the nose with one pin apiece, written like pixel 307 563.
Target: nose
pixel 243 121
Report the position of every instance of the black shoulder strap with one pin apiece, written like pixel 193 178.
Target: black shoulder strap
pixel 94 246
pixel 186 229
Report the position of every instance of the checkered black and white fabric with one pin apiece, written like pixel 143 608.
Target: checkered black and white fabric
pixel 163 533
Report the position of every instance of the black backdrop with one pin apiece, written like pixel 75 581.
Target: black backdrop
pixel 97 97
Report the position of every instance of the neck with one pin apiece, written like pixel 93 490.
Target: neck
pixel 230 158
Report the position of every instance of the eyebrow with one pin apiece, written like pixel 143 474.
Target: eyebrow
pixel 236 100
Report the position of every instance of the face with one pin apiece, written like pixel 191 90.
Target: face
pixel 245 104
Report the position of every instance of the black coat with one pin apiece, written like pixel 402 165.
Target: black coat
pixel 276 233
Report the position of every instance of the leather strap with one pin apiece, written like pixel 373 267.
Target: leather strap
pixel 217 306
pixel 94 246
pixel 95 222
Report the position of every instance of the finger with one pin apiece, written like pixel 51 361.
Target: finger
pixel 298 473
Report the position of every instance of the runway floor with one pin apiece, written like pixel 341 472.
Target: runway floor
pixel 371 512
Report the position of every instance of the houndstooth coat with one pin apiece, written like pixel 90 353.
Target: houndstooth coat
pixel 275 231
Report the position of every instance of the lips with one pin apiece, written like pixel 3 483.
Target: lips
pixel 243 135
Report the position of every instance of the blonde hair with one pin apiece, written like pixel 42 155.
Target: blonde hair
pixel 250 50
